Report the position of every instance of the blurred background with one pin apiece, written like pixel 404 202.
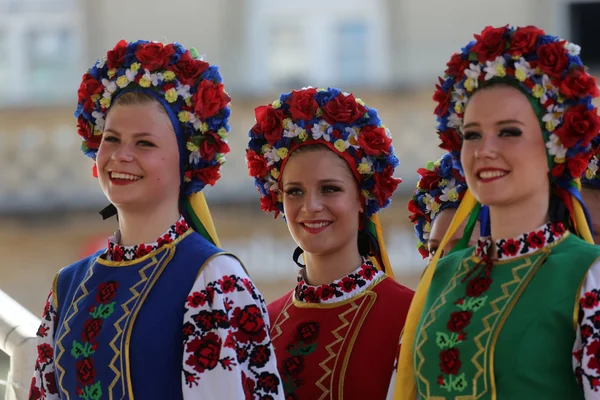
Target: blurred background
pixel 388 52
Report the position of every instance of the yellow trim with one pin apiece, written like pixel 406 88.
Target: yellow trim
pixel 362 316
pixel 524 282
pixel 169 256
pixel 200 207
pixel 277 324
pixel 577 305
pixel 301 304
pixel 107 263
pixel 581 225
pixel 387 266
pixel 55 291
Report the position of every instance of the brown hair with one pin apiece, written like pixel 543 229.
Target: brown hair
pixel 136 98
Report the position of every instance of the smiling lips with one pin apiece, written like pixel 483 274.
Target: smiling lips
pixel 122 178
pixel 486 175
pixel 315 227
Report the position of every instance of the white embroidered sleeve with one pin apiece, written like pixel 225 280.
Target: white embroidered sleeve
pixel 227 348
pixel 586 351
pixel 43 383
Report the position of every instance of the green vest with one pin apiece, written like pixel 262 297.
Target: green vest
pixel 515 340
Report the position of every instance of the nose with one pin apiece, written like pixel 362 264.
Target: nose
pixel 487 147
pixel 313 202
pixel 123 153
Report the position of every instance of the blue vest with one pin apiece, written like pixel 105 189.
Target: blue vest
pixel 120 324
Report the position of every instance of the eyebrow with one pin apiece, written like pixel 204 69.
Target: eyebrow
pixel 502 122
pixel 135 135
pixel 322 181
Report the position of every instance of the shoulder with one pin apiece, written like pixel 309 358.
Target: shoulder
pixel 276 306
pixel 391 288
pixel 77 268
pixel 223 264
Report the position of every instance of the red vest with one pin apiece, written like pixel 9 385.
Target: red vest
pixel 345 350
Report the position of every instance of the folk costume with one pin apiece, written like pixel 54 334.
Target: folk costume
pixel 521 321
pixel 324 336
pixel 175 319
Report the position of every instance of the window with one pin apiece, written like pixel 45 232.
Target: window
pixel 288 63
pixel 351 57
pixel 584 30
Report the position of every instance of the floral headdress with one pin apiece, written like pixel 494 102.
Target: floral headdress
pixel 442 185
pixel 189 89
pixel 591 175
pixel 546 68
pixel 329 117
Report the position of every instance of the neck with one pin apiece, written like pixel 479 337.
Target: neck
pixel 521 217
pixel 139 226
pixel 322 269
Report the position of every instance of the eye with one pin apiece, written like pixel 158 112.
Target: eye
pixel 331 189
pixel 146 143
pixel 510 132
pixel 433 251
pixel 293 191
pixel 471 135
pixel 110 139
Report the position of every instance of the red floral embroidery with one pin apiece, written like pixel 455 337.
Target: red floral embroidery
pixel 44 380
pixel 117 252
pixel 304 344
pixel 348 285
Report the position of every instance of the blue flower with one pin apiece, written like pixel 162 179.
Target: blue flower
pixel 194 186
pixel 372 207
pixel 325 96
pixel 546 39
pixel 212 74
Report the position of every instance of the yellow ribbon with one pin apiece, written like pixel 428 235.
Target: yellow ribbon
pixel 200 207
pixel 387 266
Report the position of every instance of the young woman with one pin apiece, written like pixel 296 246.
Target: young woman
pixel 590 191
pixel 513 317
pixel 162 313
pixel 439 192
pixel 325 160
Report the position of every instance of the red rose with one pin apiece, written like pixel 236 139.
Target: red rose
pixel 269 203
pixel 250 324
pixel 89 87
pixel 227 284
pixel 208 175
pixel 490 44
pixel 294 365
pixel 450 361
pixel 45 353
pixel 204 320
pixel 115 56
pixel 248 384
pixel 188 70
pixel 477 286
pixel 142 250
pixel 303 105
pixel 257 165
pixel 524 40
pixel 553 60
pixel 424 251
pixel 579 163
pixel 181 227
pixel 196 299
pixel 442 98
pixel 429 179
pixel 579 123
pixel 307 331
pixel 154 56
pixel 593 349
pixel 260 356
pixel 212 144
pixel 589 300
pixel 50 378
pixel 205 352
pixel 510 247
pixel 374 141
pixel 586 332
pixel 558 170
pixel 325 292
pixel 343 108
pixel 536 240
pixel 385 185
pixel 268 382
pixel 107 291
pixel 451 140
pixel 578 83
pixel 414 210
pixel 457 65
pixel 459 320
pixel 86 373
pixel 34 391
pixel 209 99
pixel 91 329
pixel 269 122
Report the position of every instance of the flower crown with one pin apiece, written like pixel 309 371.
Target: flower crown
pixel 545 67
pixel 190 90
pixel 322 116
pixel 591 175
pixel 442 185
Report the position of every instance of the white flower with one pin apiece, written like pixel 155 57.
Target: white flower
pixel 272 156
pixel 495 68
pixel 522 69
pixel 195 157
pixel 291 130
pixel 353 135
pixel 322 130
pixel 99 117
pixel 454 121
pixel 553 117
pixel 271 185
pixel 593 166
pixel 184 91
pixel 365 167
pixel 573 49
pixel 555 147
pixel 109 86
pixel 431 205
pixel 155 78
pixel 449 193
pixel 472 75
pixel 101 62
pixel 130 75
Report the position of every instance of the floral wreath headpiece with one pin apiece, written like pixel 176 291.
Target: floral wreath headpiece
pixel 329 117
pixel 441 185
pixel 591 176
pixel 189 89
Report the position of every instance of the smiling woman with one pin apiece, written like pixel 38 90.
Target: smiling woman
pixel 326 161
pixel 162 312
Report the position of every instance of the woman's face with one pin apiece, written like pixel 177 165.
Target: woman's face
pixel 138 158
pixel 503 152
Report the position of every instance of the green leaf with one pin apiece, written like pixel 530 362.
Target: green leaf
pixel 476 304
pixel 442 340
pixel 430 166
pixel 194 53
pixel 459 383
pixel 77 349
pixel 295 351
pixel 306 350
pixel 104 310
pixel 92 392
pixel 472 56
